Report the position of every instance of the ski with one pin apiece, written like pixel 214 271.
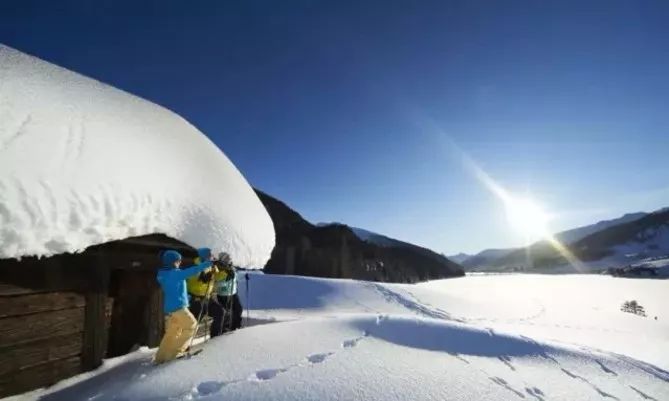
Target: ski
pixel 191 353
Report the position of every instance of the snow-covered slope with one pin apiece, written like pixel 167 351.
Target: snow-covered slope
pixel 378 239
pixel 459 258
pixel 609 243
pixel 501 337
pixel 576 234
pixel 616 246
pixel 82 163
pixel 370 236
pixel 486 257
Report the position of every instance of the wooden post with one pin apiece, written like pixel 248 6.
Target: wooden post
pixel 155 319
pixel 95 323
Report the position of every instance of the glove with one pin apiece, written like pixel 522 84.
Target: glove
pixel 205 277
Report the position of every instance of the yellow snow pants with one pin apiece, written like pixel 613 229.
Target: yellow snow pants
pixel 179 328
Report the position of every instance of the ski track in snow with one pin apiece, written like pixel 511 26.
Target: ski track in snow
pixel 414 305
pixel 18 133
pixel 535 392
pixel 318 358
pixel 642 394
pixel 532 391
pixel 427 310
pixel 513 377
pixel 351 343
pixel 583 379
pixel 211 387
pixel 507 361
pixel 501 382
pixel 605 369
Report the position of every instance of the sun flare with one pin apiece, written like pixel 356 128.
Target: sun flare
pixel 527 217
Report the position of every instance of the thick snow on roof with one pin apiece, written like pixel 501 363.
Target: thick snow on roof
pixel 83 163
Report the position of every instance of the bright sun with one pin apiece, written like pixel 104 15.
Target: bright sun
pixel 527 217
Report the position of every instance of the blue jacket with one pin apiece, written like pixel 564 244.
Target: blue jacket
pixel 172 280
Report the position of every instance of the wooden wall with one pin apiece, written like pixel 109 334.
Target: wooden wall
pixel 41 337
pixel 137 315
pixel 62 315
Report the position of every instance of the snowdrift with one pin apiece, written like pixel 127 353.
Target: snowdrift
pixel 375 358
pixel 83 163
pixel 327 339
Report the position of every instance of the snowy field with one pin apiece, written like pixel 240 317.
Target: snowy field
pixel 484 337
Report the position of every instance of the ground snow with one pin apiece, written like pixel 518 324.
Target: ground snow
pixel 462 339
pixel 83 163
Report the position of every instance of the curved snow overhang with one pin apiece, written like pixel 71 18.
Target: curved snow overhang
pixel 83 163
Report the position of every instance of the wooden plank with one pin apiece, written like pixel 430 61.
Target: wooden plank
pixel 57 273
pixel 10 289
pixel 153 242
pixel 26 328
pixel 95 331
pixel 26 355
pixel 38 376
pixel 32 303
pixel 96 321
pixel 155 317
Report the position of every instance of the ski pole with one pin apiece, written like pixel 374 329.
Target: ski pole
pixel 226 311
pixel 207 300
pixel 248 305
pixel 197 327
pixel 220 331
pixel 229 312
pixel 199 317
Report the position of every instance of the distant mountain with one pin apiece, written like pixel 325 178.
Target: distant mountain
pixel 459 258
pixel 630 239
pixel 485 258
pixel 337 250
pixel 494 259
pixel 370 236
pixel 647 237
pixel 379 239
pixel 573 235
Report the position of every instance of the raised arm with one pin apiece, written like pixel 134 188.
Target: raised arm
pixel 193 270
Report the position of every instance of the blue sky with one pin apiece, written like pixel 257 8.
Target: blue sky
pixel 348 111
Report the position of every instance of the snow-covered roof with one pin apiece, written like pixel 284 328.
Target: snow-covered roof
pixel 83 163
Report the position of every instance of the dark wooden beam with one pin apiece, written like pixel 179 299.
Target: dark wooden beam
pixel 57 273
pixel 16 305
pixel 96 317
pixel 39 376
pixel 10 289
pixel 155 317
pixel 20 329
pixel 27 355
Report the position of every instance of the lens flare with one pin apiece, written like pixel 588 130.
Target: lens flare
pixel 527 217
pixel 522 213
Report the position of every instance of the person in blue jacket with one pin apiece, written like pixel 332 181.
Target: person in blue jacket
pixel 180 324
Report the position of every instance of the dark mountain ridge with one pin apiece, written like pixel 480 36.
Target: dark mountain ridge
pixel 623 243
pixel 334 250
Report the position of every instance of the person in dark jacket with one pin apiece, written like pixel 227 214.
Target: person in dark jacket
pixel 180 324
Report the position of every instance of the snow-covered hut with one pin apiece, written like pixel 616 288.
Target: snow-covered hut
pixel 93 183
